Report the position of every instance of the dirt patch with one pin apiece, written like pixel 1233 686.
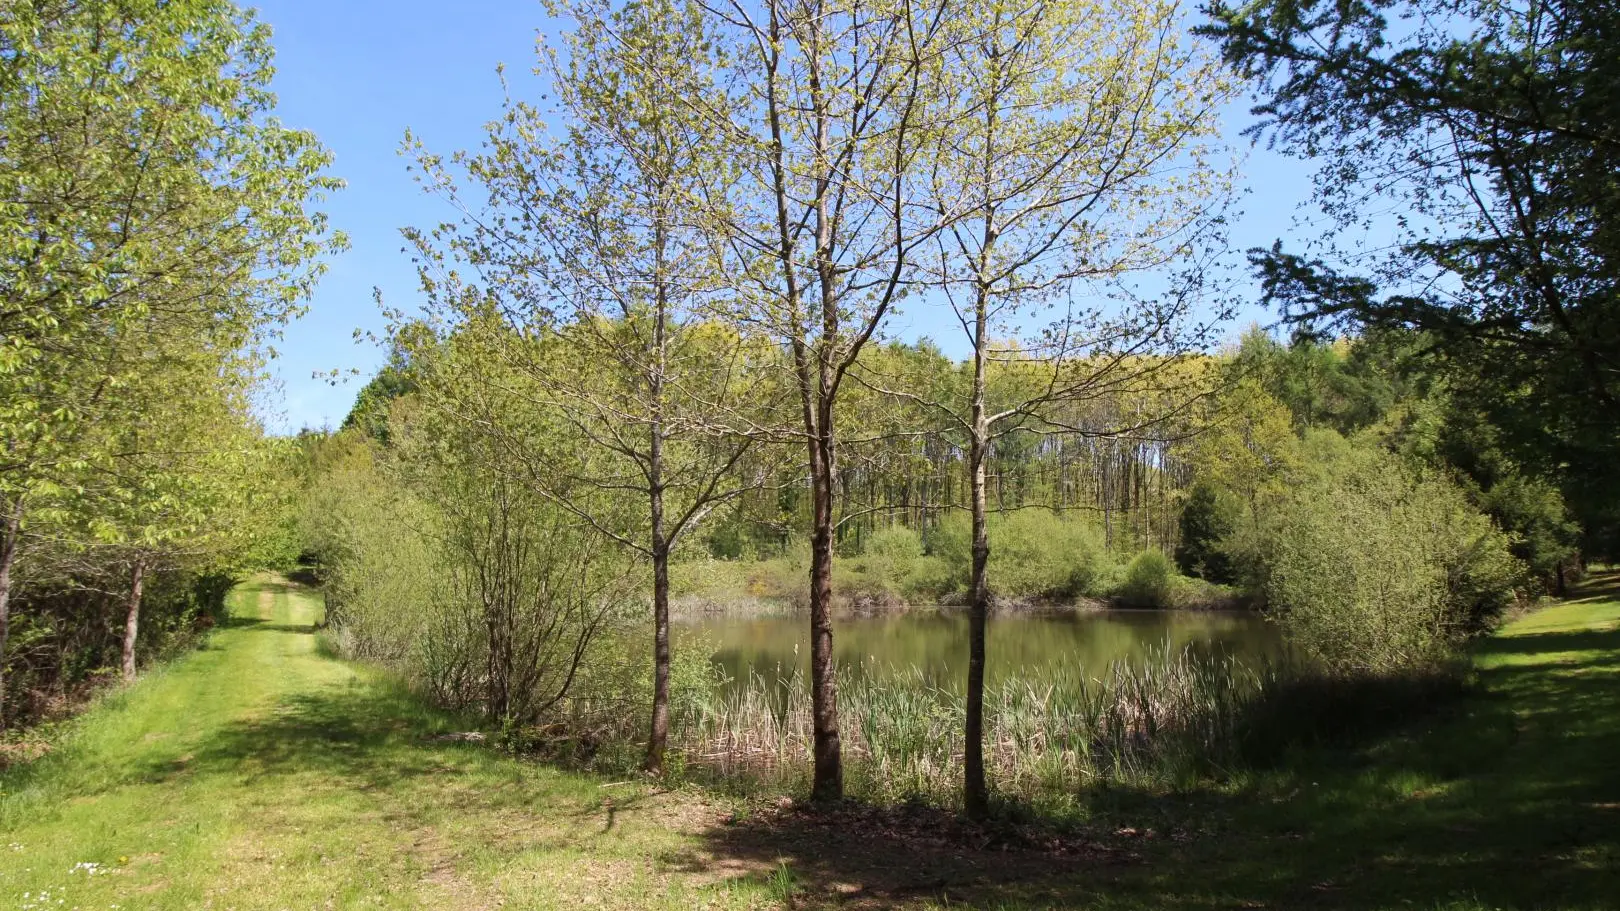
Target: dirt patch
pixel 858 856
pixel 22 752
pixel 440 879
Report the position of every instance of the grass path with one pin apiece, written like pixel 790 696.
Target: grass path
pixel 258 773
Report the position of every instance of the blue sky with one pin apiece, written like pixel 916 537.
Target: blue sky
pixel 359 73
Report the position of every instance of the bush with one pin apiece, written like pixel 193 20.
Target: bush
pixel 1149 580
pixel 1034 553
pixel 481 595
pixel 1375 568
pixel 890 557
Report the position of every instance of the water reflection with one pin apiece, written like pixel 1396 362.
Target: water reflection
pixel 1021 645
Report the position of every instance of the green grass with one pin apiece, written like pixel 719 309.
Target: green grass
pixel 259 773
pixel 1509 799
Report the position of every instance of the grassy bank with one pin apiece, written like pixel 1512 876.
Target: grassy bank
pixel 260 774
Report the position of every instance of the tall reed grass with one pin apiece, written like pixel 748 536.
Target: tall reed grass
pixel 1161 722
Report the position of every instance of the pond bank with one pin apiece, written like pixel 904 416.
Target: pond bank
pixel 259 774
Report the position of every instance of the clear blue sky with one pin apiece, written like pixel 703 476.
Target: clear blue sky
pixel 359 73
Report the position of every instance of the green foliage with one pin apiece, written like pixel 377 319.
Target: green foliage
pixel 1208 518
pixel 1490 127
pixel 1533 512
pixel 157 227
pixel 1373 567
pixel 371 405
pixel 1149 580
pixel 1034 553
pixel 892 559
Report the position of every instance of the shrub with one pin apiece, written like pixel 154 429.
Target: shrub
pixel 479 594
pixel 1038 553
pixel 930 579
pixel 1034 553
pixel 890 556
pixel 1373 567
pixel 1149 580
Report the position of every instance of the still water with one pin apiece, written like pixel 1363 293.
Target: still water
pixel 935 642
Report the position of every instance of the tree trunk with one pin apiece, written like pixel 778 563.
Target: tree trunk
pixel 975 792
pixel 829 764
pixel 8 556
pixel 658 734
pixel 132 616
pixel 658 738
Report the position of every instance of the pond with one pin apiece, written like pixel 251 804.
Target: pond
pixel 933 643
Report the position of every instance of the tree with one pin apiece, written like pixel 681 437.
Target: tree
pixel 827 125
pixel 186 473
pixel 586 248
pixel 1248 446
pixel 1492 129
pixel 1207 518
pixel 141 176
pixel 370 410
pixel 1072 147
pixel 1373 566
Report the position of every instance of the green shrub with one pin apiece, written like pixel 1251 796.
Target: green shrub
pixel 890 556
pixel 706 576
pixel 1034 553
pixel 929 580
pixel 1149 580
pixel 1373 567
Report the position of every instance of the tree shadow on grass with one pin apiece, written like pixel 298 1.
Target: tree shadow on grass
pixel 237 621
pixel 378 737
pixel 1599 586
pixel 1549 644
pixel 357 735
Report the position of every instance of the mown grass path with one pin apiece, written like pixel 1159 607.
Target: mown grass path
pixel 258 773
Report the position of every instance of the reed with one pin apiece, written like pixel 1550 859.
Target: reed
pixel 1158 722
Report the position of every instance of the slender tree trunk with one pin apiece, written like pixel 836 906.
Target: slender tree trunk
pixel 495 584
pixel 828 783
pixel 658 734
pixel 132 616
pixel 975 792
pixel 8 556
pixel 658 738
pixel 829 766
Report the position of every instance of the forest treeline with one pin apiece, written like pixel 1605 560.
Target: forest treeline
pixel 1072 509
pixel 659 357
